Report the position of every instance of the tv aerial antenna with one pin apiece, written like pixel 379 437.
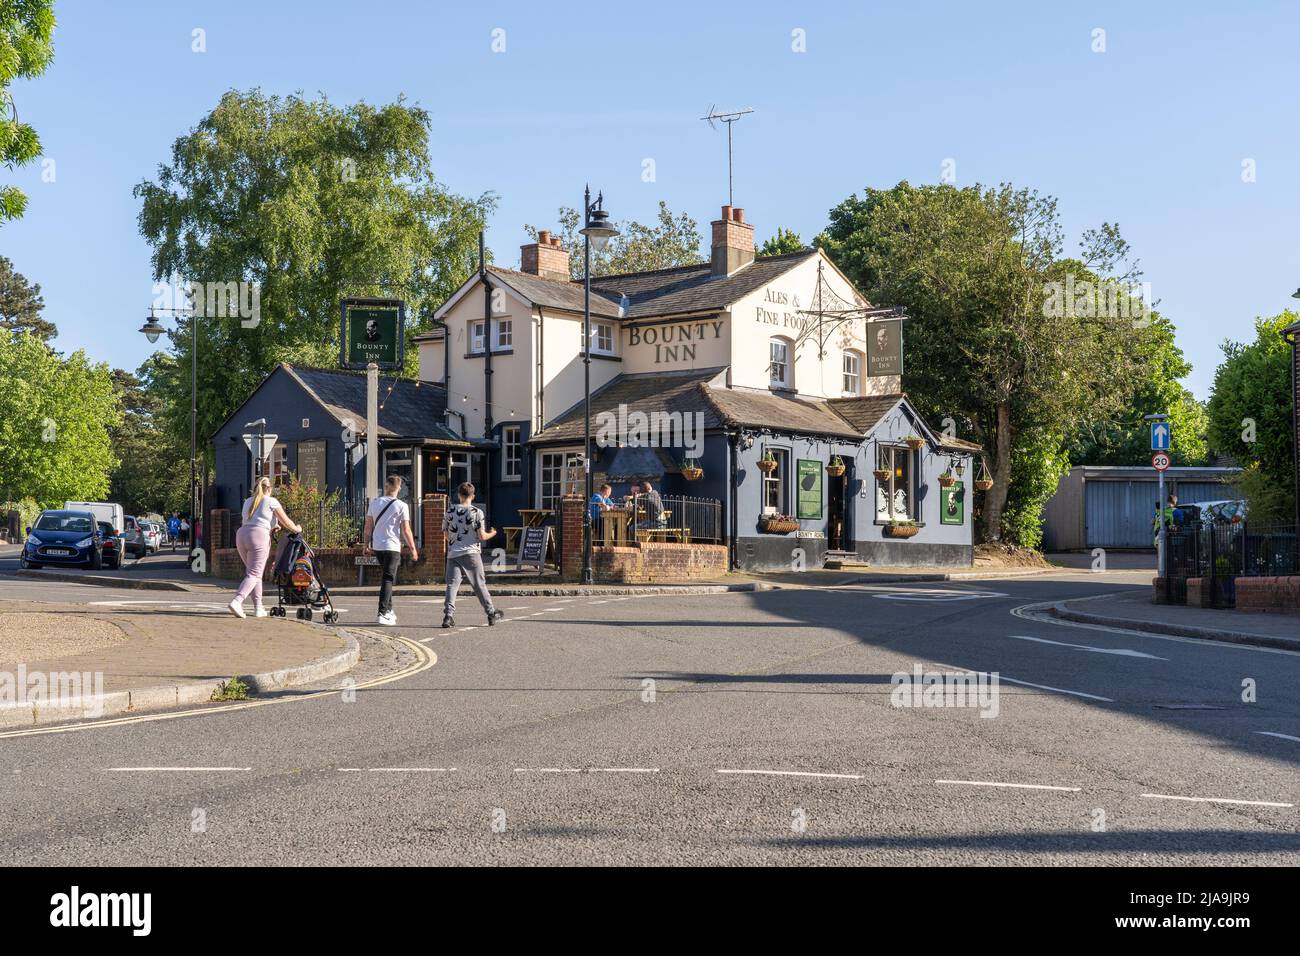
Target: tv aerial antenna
pixel 713 119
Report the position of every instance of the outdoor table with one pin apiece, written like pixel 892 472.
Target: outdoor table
pixel 534 517
pixel 613 525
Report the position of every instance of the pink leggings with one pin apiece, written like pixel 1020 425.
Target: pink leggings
pixel 254 546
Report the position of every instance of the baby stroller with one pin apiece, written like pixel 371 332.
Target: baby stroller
pixel 298 584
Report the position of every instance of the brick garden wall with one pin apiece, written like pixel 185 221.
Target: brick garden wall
pixel 337 566
pixel 1278 594
pixel 644 562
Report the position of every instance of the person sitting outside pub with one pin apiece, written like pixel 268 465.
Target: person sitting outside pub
pixel 600 502
pixel 654 506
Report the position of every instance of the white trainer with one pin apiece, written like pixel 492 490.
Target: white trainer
pixel 237 608
pixel 261 612
pixel 388 617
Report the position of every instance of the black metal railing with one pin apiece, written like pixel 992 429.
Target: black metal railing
pixel 1219 552
pixel 674 518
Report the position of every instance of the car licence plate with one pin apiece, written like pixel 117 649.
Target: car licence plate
pixel 58 551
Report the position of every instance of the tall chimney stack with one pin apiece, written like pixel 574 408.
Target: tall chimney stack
pixel 545 257
pixel 733 241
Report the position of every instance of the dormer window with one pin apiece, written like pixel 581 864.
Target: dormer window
pixel 780 371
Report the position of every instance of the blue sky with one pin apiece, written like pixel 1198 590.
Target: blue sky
pixel 1151 134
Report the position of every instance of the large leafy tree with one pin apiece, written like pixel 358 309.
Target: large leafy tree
pixel 313 203
pixel 1250 411
pixel 971 267
pixel 785 240
pixel 56 414
pixel 21 304
pixel 26 49
pixel 152 471
pixel 670 241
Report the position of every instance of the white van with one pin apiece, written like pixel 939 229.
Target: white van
pixel 103 511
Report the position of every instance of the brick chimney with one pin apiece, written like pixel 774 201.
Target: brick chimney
pixel 545 257
pixel 733 241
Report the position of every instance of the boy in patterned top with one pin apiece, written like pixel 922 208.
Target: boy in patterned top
pixel 466 533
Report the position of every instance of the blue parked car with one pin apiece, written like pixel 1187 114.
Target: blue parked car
pixel 64 538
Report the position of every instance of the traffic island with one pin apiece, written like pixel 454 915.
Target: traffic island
pixel 1133 610
pixel 73 662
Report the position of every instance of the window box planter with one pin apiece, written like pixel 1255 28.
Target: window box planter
pixel 836 467
pixel 778 524
pixel 900 530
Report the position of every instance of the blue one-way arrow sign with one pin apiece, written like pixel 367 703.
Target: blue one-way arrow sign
pixel 1159 436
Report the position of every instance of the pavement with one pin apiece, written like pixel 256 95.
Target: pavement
pixel 132 656
pixel 1133 609
pixel 761 727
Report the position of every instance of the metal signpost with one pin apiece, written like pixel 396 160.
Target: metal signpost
pixel 1160 432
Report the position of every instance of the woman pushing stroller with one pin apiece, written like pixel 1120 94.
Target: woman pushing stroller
pixel 262 513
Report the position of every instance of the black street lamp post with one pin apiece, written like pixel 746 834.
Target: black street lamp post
pixel 152 329
pixel 597 231
pixel 1292 334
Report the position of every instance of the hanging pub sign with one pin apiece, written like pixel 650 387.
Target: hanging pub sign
pixel 372 330
pixel 952 504
pixel 885 347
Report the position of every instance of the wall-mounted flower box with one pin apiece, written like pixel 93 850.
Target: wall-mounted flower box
pixel 900 530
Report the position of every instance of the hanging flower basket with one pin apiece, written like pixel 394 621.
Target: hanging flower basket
pixel 836 467
pixel 915 442
pixel 767 465
pixel 882 474
pixel 691 470
pixel 946 480
pixel 898 530
pixel 983 480
pixel 778 524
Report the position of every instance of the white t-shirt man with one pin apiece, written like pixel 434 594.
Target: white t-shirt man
pixel 388 529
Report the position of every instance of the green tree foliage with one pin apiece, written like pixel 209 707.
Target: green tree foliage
pixel 26 49
pixel 972 267
pixel 313 203
pixel 785 240
pixel 21 304
pixel 56 414
pixel 152 474
pixel 671 241
pixel 1125 439
pixel 1250 411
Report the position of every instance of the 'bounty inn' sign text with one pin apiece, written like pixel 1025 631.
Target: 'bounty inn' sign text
pixel 373 330
pixel 677 342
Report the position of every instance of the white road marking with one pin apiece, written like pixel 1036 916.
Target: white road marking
pixel 794 773
pixel 1271 733
pixel 937 596
pixel 586 769
pixel 1031 612
pixel 522 607
pixel 1119 651
pixel 1249 803
pixel 175 769
pixel 1014 786
pixel 411 769
pixel 1055 690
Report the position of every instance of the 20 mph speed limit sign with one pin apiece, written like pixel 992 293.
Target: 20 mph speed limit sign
pixel 1160 461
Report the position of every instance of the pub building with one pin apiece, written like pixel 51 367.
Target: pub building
pixel 760 395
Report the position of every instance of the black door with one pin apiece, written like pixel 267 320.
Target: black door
pixel 836 524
